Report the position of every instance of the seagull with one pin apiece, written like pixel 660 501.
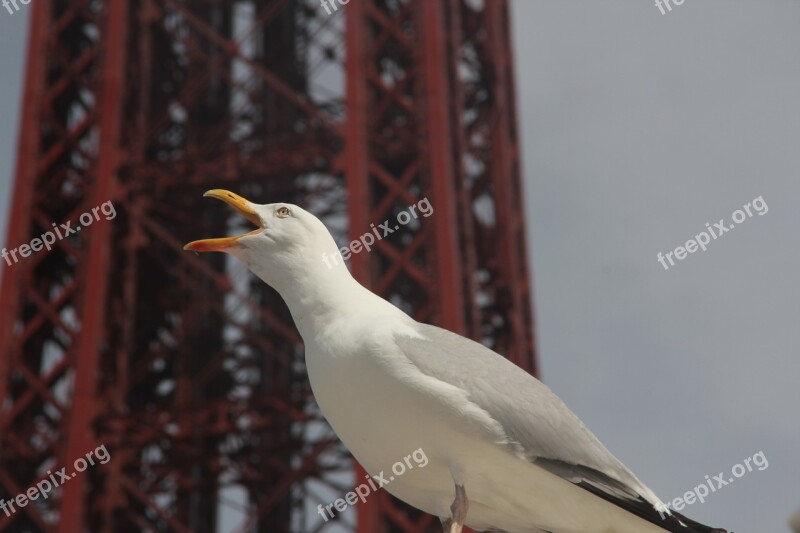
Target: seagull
pixel 504 453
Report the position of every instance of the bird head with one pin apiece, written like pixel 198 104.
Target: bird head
pixel 288 240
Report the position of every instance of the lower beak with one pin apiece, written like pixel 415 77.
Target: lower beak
pixel 244 208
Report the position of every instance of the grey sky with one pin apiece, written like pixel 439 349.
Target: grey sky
pixel 639 128
pixel 13 31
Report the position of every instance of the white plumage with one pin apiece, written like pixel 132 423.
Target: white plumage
pixel 389 385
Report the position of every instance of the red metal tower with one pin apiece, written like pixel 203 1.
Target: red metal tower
pixel 188 370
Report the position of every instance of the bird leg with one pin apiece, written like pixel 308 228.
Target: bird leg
pixel 458 512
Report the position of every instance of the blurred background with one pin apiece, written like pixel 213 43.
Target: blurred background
pixel 635 129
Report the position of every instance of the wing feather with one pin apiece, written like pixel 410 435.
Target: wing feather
pixel 536 422
pixel 530 413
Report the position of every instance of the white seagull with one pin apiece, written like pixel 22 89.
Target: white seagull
pixel 504 452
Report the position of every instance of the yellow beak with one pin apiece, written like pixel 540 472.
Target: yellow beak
pixel 243 207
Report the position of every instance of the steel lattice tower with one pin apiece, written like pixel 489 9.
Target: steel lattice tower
pixel 187 369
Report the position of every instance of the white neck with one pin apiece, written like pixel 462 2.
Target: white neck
pixel 318 292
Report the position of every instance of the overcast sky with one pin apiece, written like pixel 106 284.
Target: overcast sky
pixel 639 128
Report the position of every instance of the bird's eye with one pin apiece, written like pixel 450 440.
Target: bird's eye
pixel 283 212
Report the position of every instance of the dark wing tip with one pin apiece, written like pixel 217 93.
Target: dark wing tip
pixel 622 496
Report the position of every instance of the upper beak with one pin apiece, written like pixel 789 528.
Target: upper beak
pixel 244 208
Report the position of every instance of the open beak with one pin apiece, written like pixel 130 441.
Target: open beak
pixel 243 207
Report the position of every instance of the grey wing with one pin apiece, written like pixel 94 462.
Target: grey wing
pixel 548 432
pixel 538 423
